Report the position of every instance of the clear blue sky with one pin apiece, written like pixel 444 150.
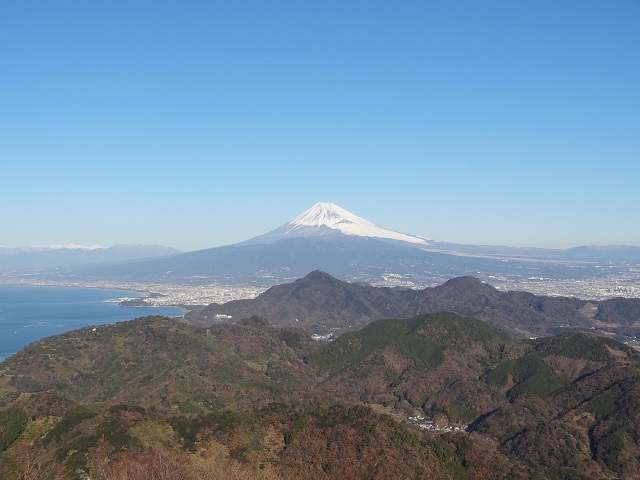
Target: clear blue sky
pixel 197 124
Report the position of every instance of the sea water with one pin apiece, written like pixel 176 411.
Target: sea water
pixel 28 312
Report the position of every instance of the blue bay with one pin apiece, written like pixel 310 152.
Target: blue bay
pixel 29 313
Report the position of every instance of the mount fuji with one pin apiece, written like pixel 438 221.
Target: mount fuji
pixel 329 238
pixel 325 237
pixel 327 219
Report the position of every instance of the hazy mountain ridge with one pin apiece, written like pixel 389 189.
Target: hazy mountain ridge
pixel 587 253
pixel 322 304
pixel 45 257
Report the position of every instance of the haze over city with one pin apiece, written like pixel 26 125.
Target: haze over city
pixel 204 124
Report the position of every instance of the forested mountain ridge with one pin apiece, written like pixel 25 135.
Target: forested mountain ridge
pixel 323 304
pixel 255 401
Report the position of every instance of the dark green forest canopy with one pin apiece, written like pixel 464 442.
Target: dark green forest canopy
pixel 282 404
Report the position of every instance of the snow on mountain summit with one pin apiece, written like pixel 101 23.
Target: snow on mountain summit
pixel 329 214
pixel 326 219
pixel 70 246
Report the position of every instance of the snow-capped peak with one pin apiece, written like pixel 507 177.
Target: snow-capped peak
pixel 71 246
pixel 329 214
pixel 325 219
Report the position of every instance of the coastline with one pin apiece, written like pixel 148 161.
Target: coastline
pixel 179 296
pixel 144 295
pixel 29 311
pixel 52 283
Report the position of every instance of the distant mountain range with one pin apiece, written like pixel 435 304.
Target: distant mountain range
pixel 327 237
pixel 53 256
pixel 322 304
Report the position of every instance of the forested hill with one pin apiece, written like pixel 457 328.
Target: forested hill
pixel 322 304
pixel 155 396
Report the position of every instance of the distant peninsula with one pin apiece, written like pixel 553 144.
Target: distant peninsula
pixel 134 302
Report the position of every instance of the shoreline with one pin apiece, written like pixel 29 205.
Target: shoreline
pixel 179 296
pixel 30 312
pixel 36 283
pixel 145 295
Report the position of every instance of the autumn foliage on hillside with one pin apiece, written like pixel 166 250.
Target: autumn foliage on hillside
pixel 157 399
